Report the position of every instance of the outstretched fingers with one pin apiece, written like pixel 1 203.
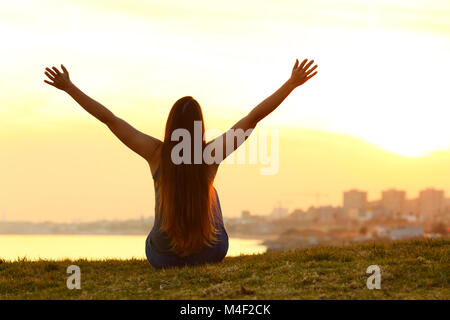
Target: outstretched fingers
pixel 56 70
pixel 311 75
pixel 308 72
pixel 306 67
pixel 50 76
pixel 53 73
pixel 50 83
pixel 303 63
pixel 64 69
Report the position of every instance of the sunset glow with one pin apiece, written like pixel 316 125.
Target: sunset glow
pixel 382 91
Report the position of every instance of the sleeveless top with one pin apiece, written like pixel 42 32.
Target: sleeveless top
pixel 159 240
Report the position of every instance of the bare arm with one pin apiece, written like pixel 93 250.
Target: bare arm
pixel 139 142
pixel 232 139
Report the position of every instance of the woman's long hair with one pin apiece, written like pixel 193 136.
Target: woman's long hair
pixel 185 190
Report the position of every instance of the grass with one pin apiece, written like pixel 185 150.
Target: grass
pixel 409 270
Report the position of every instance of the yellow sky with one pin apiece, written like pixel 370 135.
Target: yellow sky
pixel 383 81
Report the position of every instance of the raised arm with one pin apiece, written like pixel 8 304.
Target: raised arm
pixel 234 137
pixel 139 142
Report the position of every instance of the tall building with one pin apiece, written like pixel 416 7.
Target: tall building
pixel 411 207
pixel 447 205
pixel 279 213
pixel 393 201
pixel 431 202
pixel 355 203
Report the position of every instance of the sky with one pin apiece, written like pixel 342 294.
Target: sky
pixel 374 117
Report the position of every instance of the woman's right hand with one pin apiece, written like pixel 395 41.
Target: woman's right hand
pixel 60 80
pixel 302 73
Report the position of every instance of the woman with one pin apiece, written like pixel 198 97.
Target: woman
pixel 188 226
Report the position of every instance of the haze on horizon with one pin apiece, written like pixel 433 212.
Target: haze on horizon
pixel 375 117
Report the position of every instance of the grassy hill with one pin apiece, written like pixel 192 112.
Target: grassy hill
pixel 409 270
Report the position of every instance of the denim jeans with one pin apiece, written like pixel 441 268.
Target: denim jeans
pixel 213 254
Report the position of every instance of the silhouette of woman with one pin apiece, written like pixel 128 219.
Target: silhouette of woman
pixel 188 226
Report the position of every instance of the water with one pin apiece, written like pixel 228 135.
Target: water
pixel 35 247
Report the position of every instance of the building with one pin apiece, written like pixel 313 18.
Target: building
pixel 393 201
pixel 326 214
pixel 405 233
pixel 431 202
pixel 446 205
pixel 300 215
pixel 354 202
pixel 376 208
pixel 365 215
pixel 245 214
pixel 279 213
pixel 411 207
pixel 247 218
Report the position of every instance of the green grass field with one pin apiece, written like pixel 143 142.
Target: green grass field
pixel 409 270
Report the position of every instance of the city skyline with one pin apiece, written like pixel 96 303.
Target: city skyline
pixel 428 203
pixel 393 200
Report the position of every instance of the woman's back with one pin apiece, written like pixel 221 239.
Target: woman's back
pixel 159 238
pixel 158 244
